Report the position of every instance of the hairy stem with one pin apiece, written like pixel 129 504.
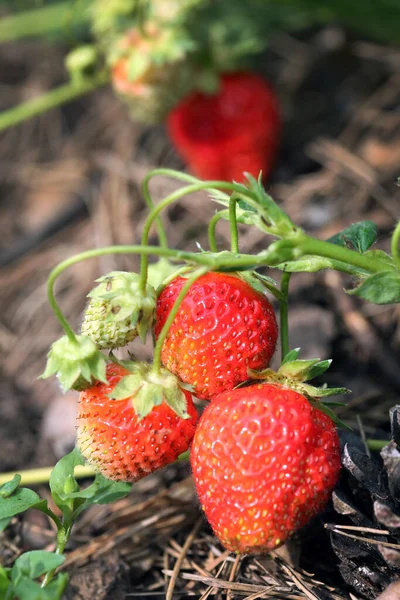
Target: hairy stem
pixel 51 99
pixel 311 245
pixel 233 224
pixel 283 314
pixel 43 20
pixel 186 190
pixel 212 241
pixel 62 540
pixel 172 315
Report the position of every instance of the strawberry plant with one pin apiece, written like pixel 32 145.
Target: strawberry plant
pixel 265 455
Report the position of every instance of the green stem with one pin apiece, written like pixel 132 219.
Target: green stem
pixel 212 241
pixel 395 245
pixel 377 444
pixel 41 21
pixel 176 195
pixel 310 245
pixel 172 315
pixel 62 540
pixel 233 224
pixel 162 236
pixel 195 258
pixel 283 313
pixel 51 99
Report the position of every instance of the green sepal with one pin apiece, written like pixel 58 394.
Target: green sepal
pixel 256 207
pixel 261 283
pixel 294 372
pixel 160 271
pixel 325 408
pixel 147 389
pixel 291 355
pixel 75 361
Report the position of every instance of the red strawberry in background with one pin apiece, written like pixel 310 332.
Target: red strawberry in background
pixel 146 427
pixel 234 131
pixel 223 328
pixel 264 462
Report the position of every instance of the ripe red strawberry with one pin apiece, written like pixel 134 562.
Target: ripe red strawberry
pixel 116 441
pixel 264 462
pixel 223 328
pixel 238 129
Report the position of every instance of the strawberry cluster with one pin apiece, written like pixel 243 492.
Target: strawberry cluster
pixel 188 63
pixel 264 456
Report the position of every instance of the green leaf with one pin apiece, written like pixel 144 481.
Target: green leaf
pixel 380 288
pixel 63 484
pixel 8 488
pixel 19 502
pixel 359 236
pixel 101 491
pixel 34 564
pixel 26 589
pixel 4 581
pixel 381 255
pixel 4 523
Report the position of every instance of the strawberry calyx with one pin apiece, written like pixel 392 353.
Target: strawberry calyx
pixel 77 362
pixel 294 373
pixel 148 388
pixel 118 301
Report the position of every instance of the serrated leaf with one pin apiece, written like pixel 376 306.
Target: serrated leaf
pixel 34 564
pixel 291 355
pixel 382 256
pixel 8 488
pixel 19 502
pixel 359 236
pixel 380 288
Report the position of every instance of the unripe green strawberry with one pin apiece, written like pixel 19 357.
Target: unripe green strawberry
pixel 223 328
pixel 264 462
pixel 117 311
pixel 136 423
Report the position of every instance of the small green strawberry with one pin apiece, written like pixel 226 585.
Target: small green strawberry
pixel 137 422
pixel 117 312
